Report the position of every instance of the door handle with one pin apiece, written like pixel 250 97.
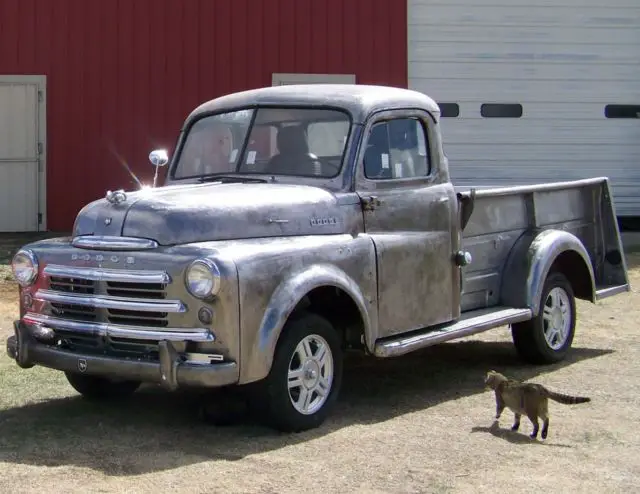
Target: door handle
pixel 370 203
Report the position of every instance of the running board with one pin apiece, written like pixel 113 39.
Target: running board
pixel 471 322
pixel 610 291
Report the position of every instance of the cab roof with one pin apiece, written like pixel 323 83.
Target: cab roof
pixel 358 99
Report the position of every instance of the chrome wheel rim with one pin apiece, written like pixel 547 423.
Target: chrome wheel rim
pixel 310 374
pixel 556 318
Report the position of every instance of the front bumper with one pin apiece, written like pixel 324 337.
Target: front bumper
pixel 171 371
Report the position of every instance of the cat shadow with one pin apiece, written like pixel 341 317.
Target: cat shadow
pixel 514 437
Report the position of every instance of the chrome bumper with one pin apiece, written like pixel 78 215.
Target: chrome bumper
pixel 171 371
pixel 48 324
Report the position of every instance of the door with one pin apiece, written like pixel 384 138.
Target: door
pixel 19 157
pixel 409 212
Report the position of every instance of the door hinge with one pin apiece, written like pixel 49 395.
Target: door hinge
pixel 40 96
pixel 39 218
pixel 40 148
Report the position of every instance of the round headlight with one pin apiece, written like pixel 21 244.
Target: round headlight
pixel 203 279
pixel 25 267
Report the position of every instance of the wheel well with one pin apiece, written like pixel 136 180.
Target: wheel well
pixel 572 265
pixel 337 306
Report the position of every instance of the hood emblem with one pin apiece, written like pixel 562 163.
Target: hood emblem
pixel 324 221
pixel 107 221
pixel 116 197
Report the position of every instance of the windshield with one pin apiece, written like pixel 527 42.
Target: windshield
pixel 305 142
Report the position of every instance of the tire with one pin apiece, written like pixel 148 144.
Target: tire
pixel 529 336
pixel 272 400
pixel 101 388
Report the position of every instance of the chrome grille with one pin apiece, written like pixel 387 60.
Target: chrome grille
pixel 114 311
pixel 77 286
pixel 138 318
pixel 74 312
pixel 72 285
pixel 119 346
pixel 152 291
pixel 136 290
pixel 108 295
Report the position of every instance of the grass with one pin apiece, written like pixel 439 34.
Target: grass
pixel 420 423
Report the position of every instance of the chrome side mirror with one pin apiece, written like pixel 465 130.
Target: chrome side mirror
pixel 159 157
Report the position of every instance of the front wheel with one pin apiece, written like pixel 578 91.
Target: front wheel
pixel 305 377
pixel 546 338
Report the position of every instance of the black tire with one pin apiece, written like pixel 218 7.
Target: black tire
pixel 101 388
pixel 270 399
pixel 529 336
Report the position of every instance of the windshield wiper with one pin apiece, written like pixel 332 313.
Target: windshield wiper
pixel 231 179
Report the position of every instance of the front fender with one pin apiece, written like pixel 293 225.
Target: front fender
pixel 529 263
pixel 284 300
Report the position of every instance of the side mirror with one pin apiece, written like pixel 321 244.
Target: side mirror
pixel 159 157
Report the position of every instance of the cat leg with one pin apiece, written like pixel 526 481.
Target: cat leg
pixel 544 415
pixel 545 428
pixel 499 406
pixel 536 426
pixel 516 422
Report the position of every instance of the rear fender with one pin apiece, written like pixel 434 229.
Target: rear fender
pixel 530 261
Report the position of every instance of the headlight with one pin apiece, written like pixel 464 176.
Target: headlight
pixel 25 267
pixel 203 279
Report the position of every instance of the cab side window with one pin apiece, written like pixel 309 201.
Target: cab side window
pixel 397 148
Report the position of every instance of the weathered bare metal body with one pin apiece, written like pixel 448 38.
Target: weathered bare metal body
pixel 382 261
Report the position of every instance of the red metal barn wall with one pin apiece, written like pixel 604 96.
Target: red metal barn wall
pixel 123 74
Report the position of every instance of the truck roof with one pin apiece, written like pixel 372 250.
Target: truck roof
pixel 358 99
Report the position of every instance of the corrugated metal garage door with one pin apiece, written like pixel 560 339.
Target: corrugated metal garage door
pixel 18 157
pixel 547 76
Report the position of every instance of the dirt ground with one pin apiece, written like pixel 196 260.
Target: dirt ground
pixel 421 423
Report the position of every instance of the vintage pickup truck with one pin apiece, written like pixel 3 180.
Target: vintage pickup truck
pixel 297 223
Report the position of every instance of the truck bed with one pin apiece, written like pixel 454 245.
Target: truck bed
pixel 502 215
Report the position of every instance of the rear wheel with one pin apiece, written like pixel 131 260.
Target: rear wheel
pixel 99 388
pixel 547 337
pixel 305 377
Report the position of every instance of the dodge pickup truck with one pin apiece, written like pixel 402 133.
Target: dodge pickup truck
pixel 296 223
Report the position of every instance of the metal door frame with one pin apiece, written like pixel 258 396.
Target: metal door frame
pixel 40 81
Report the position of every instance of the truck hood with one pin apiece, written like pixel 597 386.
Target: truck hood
pixel 182 214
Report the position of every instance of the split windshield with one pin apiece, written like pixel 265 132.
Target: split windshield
pixel 305 142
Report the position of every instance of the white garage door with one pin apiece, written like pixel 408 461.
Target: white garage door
pixel 19 157
pixel 549 74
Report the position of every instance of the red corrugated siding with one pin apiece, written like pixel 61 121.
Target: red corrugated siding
pixel 122 74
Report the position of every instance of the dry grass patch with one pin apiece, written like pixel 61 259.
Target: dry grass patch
pixel 421 423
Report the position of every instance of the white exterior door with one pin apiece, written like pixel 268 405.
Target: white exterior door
pixel 547 72
pixel 20 173
pixel 284 79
